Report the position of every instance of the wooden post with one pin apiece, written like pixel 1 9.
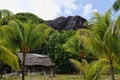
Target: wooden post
pixel 29 75
pixel 51 74
pixel 45 75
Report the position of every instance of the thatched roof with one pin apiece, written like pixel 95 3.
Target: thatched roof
pixel 36 59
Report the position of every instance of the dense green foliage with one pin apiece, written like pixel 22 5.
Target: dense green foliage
pixel 57 53
pixel 25 17
pixel 22 17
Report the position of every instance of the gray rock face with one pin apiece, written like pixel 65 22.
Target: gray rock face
pixel 75 22
pixel 59 23
pixel 71 22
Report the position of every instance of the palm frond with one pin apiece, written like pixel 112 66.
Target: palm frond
pixel 38 35
pixel 82 67
pixel 14 35
pixel 76 43
pixel 96 69
pixel 77 64
pixel 9 58
pixel 5 13
pixel 116 5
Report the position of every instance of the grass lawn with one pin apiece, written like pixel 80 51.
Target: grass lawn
pixel 41 77
pixel 57 77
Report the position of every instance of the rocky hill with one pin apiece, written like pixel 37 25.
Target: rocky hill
pixel 70 22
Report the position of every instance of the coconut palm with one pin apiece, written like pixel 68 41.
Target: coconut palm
pixel 91 71
pixel 5 13
pixel 103 40
pixel 6 55
pixel 116 5
pixel 107 41
pixel 26 37
pixel 76 45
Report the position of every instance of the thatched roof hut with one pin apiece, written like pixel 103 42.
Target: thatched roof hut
pixel 36 62
pixel 33 59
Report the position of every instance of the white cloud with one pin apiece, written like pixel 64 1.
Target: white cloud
pixel 15 5
pixel 46 9
pixel 67 6
pixel 88 10
pixel 49 9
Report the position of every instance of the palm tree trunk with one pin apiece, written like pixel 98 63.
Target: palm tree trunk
pixel 111 64
pixel 1 76
pixel 112 70
pixel 23 66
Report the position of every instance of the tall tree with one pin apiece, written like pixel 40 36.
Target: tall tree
pixel 6 55
pixel 5 13
pixel 77 46
pixel 26 37
pixel 57 53
pixel 116 5
pixel 106 39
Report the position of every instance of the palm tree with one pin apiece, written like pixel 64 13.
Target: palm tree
pixel 93 70
pixel 76 46
pixel 26 37
pixel 116 5
pixel 106 40
pixel 6 55
pixel 5 13
pixel 103 40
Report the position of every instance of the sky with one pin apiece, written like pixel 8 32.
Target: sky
pixel 51 9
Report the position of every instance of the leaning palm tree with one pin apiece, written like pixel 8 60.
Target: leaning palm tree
pixel 6 55
pixel 116 5
pixel 106 42
pixel 26 37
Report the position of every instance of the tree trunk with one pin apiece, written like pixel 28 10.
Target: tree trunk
pixel 1 76
pixel 112 70
pixel 23 66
